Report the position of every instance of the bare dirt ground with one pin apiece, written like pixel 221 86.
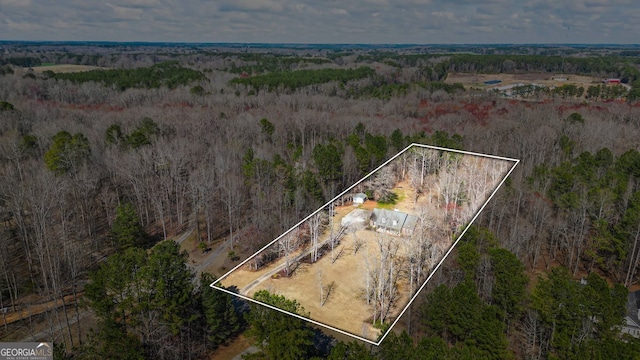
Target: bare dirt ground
pixel 231 350
pixel 26 309
pixel 37 327
pixel 242 276
pixel 348 272
pixel 476 80
pixel 65 68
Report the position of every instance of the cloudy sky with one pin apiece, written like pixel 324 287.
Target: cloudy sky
pixel 324 21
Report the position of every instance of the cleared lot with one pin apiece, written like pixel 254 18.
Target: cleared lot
pixel 377 262
pixel 66 68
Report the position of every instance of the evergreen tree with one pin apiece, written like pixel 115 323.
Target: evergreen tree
pixel 114 135
pixel 220 315
pixel 67 153
pixel 460 318
pixel 278 335
pixel 350 351
pixel 109 288
pixel 581 319
pixel 267 127
pixel 170 284
pixel 509 289
pixel 126 230
pixel 468 258
pixel 397 140
pixel 6 106
pixel 328 159
pixel 143 134
pixel 402 347
pixel 111 341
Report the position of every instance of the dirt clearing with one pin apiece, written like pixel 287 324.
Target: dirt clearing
pixel 345 306
pixel 66 68
pixel 470 80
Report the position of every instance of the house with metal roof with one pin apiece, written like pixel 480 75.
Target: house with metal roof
pixel 394 222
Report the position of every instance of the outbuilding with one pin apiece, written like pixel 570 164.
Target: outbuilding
pixel 359 198
pixel 631 324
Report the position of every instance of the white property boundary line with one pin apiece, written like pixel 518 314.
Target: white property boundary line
pixel 516 162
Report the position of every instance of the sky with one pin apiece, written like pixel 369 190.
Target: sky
pixel 324 21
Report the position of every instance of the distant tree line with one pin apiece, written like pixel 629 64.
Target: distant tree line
pixel 605 66
pixel 386 91
pixel 300 78
pixel 271 64
pixel 20 61
pixel 169 74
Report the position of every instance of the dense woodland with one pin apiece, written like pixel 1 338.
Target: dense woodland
pixel 100 170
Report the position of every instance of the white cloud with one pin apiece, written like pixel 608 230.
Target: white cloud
pixel 308 21
pixel 126 13
pixel 15 3
pixel 252 5
pixel 20 26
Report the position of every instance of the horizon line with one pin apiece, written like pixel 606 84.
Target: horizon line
pixel 5 41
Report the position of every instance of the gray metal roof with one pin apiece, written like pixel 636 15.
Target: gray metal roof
pixel 633 304
pixel 393 220
pixel 362 196
pixel 410 222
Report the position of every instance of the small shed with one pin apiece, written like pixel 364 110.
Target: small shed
pixel 359 198
pixel 631 325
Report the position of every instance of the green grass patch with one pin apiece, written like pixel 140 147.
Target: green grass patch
pixel 390 205
pixel 47 64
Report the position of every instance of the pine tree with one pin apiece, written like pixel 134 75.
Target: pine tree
pixel 219 312
pixel 278 335
pixel 67 153
pixel 351 351
pixel 126 230
pixel 170 284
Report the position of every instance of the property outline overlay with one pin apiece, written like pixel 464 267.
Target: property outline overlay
pixel 432 272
